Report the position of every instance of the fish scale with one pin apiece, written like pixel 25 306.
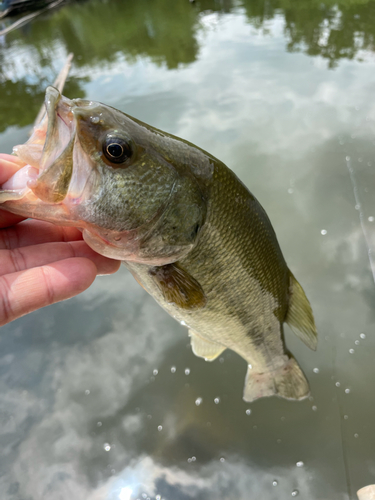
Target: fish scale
pixel 243 274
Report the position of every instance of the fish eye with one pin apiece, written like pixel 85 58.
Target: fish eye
pixel 117 149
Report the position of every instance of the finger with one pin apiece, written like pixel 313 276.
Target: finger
pixel 34 232
pixel 7 219
pixel 26 291
pixel 9 164
pixel 19 259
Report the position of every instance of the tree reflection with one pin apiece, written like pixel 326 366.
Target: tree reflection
pixel 20 100
pixel 331 29
pixel 166 32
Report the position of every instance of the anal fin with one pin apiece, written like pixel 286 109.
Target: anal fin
pixel 287 382
pixel 300 317
pixel 205 348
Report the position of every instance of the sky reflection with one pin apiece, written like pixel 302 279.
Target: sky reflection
pixel 96 370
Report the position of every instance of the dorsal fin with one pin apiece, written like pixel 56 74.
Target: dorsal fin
pixel 300 317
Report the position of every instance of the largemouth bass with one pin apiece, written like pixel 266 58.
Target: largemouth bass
pixel 185 226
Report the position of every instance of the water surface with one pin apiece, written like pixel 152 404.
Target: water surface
pixel 101 397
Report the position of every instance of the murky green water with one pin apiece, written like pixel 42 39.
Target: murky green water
pixel 98 395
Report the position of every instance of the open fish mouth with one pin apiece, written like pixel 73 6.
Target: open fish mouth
pixel 47 155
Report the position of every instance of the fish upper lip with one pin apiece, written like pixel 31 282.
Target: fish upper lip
pixel 49 150
pixel 54 114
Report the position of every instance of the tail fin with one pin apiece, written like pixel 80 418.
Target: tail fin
pixel 287 382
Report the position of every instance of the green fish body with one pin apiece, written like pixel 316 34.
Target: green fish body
pixel 185 226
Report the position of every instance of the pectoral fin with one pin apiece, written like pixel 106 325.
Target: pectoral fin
pixel 204 348
pixel 300 317
pixel 178 287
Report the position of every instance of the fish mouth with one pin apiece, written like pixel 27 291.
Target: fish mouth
pixel 47 155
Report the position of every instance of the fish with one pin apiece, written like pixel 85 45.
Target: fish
pixel 186 227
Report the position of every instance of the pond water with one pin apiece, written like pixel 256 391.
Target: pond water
pixel 101 397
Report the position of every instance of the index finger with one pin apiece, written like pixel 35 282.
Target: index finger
pixel 8 219
pixel 9 165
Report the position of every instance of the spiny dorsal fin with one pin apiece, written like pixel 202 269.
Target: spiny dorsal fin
pixel 300 317
pixel 178 287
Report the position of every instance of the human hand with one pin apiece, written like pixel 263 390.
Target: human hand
pixel 41 263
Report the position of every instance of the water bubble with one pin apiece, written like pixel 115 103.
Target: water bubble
pixel 149 417
pixel 193 459
pixel 173 369
pixel 363 336
pixel 189 460
pixel 290 190
pixel 371 218
pixel 356 435
pixel 87 392
pixel 198 401
pixel 314 408
pixel 356 342
pixel 351 351
pixel 158 497
pixel 217 401
pixel 347 391
pixel 300 464
pixel 357 207
pixel 94 119
pixel 248 411
pixel 222 459
pixel 347 158
pixel 337 384
pixel 274 482
pixel 160 428
pixel 295 493
pixel 316 370
pixel 278 441
pixel 346 417
pixel 107 446
pixel 360 160
pixel 155 372
pixel 323 232
pixel 221 360
pixel 144 495
pixel 187 371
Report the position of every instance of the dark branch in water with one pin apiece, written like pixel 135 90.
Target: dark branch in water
pixel 28 18
pixel 59 84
